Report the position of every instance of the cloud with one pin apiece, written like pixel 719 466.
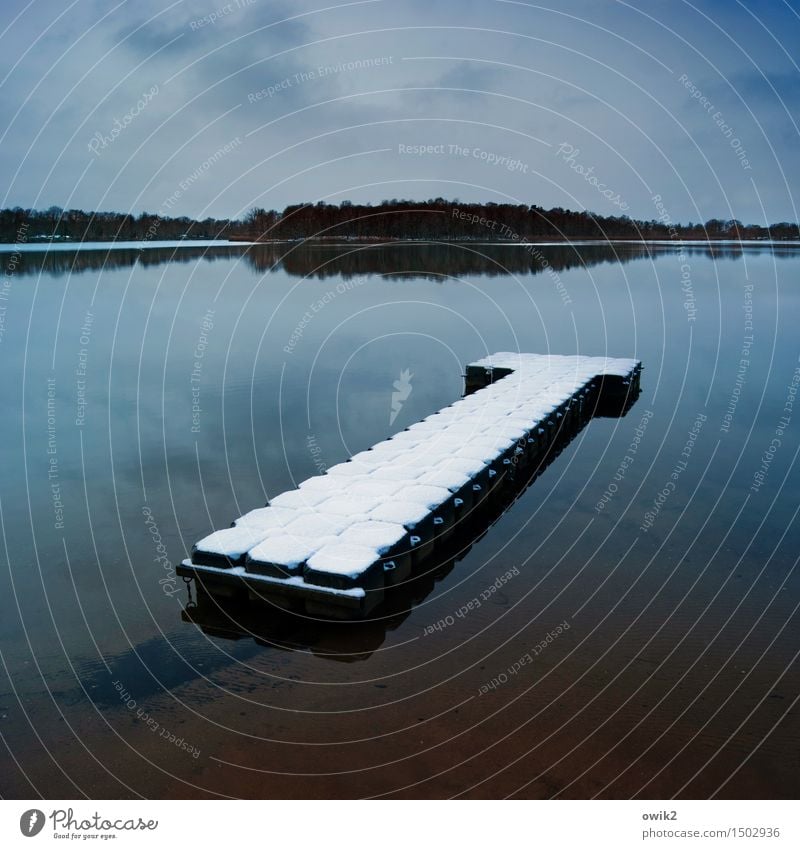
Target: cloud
pixel 313 90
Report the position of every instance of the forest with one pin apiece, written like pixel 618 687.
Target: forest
pixel 432 220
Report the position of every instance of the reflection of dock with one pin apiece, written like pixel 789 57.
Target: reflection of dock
pixel 361 535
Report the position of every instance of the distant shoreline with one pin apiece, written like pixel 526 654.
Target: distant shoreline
pixel 393 221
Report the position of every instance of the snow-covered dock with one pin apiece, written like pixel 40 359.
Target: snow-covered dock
pixel 335 545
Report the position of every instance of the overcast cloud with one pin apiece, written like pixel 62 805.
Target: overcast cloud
pixel 209 107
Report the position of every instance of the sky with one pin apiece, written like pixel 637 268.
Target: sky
pixel 209 108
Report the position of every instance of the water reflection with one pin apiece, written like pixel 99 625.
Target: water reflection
pixel 421 259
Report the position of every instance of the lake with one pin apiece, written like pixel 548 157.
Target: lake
pixel 648 575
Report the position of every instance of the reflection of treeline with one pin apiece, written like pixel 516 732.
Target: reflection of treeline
pixel 443 259
pixel 394 259
pixel 76 261
pixel 437 259
pixel 437 219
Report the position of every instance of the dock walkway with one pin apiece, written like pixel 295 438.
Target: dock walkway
pixel 333 546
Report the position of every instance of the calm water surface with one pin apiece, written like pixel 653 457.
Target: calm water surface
pixel 189 385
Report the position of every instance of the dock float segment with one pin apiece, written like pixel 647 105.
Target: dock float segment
pixel 334 546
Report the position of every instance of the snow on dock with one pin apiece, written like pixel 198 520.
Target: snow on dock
pixel 334 545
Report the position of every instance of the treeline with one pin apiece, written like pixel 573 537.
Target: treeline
pixel 434 220
pixel 445 220
pixel 75 225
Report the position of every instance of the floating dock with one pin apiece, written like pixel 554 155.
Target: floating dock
pixel 335 546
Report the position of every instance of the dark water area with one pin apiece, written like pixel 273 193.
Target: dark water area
pixel 389 259
pixel 152 396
